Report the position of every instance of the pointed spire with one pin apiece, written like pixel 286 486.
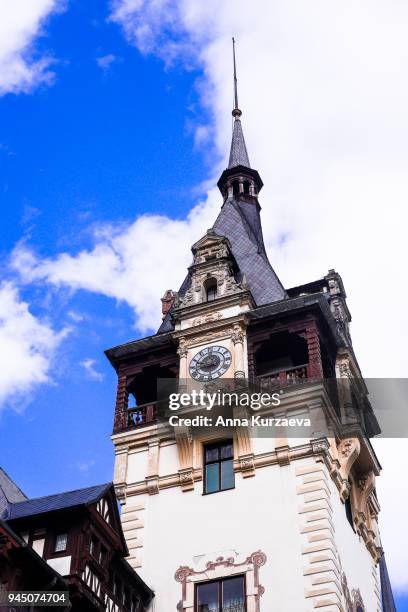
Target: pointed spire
pixel 238 153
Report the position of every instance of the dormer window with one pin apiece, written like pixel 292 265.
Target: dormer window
pixel 210 288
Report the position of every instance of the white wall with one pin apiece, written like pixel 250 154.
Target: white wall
pixel 261 513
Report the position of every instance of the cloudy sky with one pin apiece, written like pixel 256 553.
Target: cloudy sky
pixel 115 125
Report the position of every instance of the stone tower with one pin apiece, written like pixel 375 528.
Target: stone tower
pixel 220 519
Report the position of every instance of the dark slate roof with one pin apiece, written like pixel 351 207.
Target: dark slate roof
pixel 238 153
pixel 388 604
pixel 150 342
pixel 9 493
pixel 240 222
pixel 60 501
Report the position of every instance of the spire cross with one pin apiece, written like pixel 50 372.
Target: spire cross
pixel 236 112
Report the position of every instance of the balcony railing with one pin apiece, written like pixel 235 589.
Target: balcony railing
pixel 283 378
pixel 142 415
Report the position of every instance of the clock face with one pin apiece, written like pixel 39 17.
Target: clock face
pixel 210 363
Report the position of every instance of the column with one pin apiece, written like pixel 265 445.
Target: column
pixel 238 340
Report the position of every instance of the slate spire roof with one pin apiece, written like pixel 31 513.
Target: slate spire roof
pixel 240 222
pixel 238 153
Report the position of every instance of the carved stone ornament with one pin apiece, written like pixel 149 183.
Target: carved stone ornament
pixel 237 335
pixel 320 446
pixel 182 573
pixel 208 318
pixel 246 464
pixel 187 576
pixel 120 490
pixel 152 484
pixel 186 479
pixel 212 259
pixel 258 558
pixel 348 451
pixel 223 332
pixel 182 348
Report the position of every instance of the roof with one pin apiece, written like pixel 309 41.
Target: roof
pixel 238 153
pixel 150 342
pixel 60 501
pixel 240 222
pixel 9 492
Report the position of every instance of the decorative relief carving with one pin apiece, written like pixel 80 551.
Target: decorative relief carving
pixel 320 446
pixel 187 479
pixel 182 573
pixel 187 576
pixel 208 318
pixel 258 558
pixel 120 490
pixel 348 451
pixel 182 348
pixel 212 259
pixel 209 337
pixel 152 485
pixel 237 334
pixel 247 465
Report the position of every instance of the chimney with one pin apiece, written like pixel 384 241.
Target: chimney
pixel 167 301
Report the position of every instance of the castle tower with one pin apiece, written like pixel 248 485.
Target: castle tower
pixel 229 518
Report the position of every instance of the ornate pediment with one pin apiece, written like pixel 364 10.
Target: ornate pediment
pixel 213 263
pixel 211 247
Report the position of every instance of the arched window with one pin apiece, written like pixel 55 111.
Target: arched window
pixel 235 187
pixel 210 288
pixel 246 187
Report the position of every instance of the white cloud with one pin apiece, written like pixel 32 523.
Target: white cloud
pixel 85 466
pixel 324 97
pixel 105 61
pixel 27 348
pixel 21 22
pixel 133 264
pixel 92 372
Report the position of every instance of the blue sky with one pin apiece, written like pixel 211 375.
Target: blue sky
pixel 128 114
pixel 97 146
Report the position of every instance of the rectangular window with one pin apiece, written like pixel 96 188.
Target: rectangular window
pixel 61 542
pixel 227 595
pixel 218 467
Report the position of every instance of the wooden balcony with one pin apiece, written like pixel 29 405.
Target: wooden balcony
pixel 283 378
pixel 141 415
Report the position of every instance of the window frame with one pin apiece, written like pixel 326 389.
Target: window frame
pixel 219 444
pixel 219 581
pixel 211 285
pixel 58 535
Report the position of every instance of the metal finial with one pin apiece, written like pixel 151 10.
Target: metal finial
pixel 236 112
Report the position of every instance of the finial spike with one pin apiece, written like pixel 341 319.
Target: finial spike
pixel 236 112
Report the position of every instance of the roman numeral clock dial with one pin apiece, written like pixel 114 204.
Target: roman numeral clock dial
pixel 210 363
